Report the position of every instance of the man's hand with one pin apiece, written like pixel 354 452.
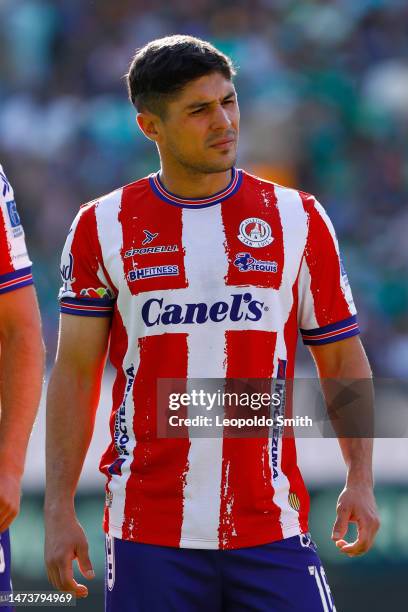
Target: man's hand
pixel 10 492
pixel 356 504
pixel 65 541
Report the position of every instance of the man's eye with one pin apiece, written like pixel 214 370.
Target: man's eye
pixel 196 112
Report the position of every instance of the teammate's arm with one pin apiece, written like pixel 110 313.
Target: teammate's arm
pixel 346 360
pixel 21 377
pixel 72 400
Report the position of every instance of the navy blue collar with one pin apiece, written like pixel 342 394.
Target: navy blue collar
pixel 217 198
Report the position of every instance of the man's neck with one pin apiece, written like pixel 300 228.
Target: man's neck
pixel 190 184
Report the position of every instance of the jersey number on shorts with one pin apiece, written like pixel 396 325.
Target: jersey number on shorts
pixel 323 587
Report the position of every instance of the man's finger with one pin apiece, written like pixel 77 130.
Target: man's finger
pixel 67 581
pixel 84 562
pixel 53 576
pixel 340 526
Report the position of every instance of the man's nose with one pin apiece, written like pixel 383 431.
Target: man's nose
pixel 221 118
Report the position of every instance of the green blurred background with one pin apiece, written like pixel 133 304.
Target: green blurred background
pixel 323 90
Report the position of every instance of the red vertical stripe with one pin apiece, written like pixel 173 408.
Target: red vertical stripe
pixel 330 304
pixel 86 253
pixel 6 264
pixel 141 210
pixel 257 200
pixel 154 492
pixel 247 510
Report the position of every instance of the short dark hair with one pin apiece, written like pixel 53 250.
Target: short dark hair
pixel 161 69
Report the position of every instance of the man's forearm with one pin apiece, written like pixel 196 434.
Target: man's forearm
pixel 357 454
pixel 21 378
pixel 71 405
pixel 346 381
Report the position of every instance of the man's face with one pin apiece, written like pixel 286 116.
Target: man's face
pixel 201 126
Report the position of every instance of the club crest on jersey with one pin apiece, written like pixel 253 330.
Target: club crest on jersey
pixel 152 272
pixel 255 232
pixel 246 263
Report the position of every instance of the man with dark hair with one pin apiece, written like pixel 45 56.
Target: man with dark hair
pixel 21 366
pixel 198 271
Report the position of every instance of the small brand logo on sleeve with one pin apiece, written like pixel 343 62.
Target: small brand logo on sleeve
pixel 15 220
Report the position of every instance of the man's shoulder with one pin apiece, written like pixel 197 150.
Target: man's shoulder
pixel 287 195
pixel 113 199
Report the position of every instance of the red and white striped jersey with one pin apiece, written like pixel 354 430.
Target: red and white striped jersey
pixel 15 265
pixel 205 288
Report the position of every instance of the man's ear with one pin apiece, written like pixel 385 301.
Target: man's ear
pixel 148 124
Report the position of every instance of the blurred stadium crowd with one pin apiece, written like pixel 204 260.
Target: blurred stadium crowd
pixel 323 89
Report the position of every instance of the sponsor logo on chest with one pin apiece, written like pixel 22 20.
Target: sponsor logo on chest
pixel 246 263
pixel 152 271
pixel 240 307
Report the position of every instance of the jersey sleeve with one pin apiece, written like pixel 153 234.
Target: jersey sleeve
pixel 15 265
pixel 326 308
pixel 86 288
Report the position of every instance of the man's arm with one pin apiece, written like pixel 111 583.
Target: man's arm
pixel 346 360
pixel 21 377
pixel 72 400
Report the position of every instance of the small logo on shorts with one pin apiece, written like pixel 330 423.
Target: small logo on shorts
pixel 110 562
pixel 306 541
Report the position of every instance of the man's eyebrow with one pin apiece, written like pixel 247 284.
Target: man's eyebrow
pixel 203 104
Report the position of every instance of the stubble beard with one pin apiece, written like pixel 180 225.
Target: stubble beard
pixel 203 166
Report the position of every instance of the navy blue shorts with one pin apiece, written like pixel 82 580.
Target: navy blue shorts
pixel 5 563
pixel 284 576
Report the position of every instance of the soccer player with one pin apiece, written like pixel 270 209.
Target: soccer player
pixel 197 271
pixel 21 365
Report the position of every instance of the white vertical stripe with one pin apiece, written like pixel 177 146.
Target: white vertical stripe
pixel 111 240
pixel 343 281
pixel 202 491
pixel 306 311
pixel 294 227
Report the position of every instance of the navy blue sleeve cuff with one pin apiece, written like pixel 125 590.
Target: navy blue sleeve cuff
pixel 331 333
pixel 87 307
pixel 15 280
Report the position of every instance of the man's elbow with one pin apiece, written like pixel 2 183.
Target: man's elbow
pixel 25 336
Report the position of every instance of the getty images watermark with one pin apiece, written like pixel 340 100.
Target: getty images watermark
pixel 226 408
pixel 211 402
pixel 280 407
